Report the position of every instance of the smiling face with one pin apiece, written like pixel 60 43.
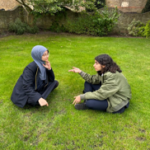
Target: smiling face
pixel 45 56
pixel 98 66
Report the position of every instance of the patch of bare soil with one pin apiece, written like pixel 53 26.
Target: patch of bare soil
pixel 5 34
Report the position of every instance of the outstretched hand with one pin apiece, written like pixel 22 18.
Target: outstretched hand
pixel 76 70
pixel 77 100
pixel 47 65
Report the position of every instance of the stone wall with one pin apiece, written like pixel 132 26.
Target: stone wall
pixel 127 5
pixel 126 18
pixel 46 21
pixel 6 17
pixel 123 5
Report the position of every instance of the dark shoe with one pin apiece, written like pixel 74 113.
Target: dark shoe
pixel 80 106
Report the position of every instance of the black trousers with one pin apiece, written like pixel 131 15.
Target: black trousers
pixel 93 103
pixel 44 92
pixel 98 104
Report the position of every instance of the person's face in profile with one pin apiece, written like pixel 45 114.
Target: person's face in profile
pixel 45 56
pixel 98 66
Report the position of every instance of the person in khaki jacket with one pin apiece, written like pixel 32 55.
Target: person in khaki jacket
pixel 108 90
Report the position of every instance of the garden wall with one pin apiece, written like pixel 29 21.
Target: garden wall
pixel 46 21
pixel 6 17
pixel 127 5
pixel 126 18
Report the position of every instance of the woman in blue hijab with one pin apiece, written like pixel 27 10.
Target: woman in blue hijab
pixel 37 80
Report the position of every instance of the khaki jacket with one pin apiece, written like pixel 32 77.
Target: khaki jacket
pixel 114 88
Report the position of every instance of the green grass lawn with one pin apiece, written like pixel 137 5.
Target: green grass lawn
pixel 60 126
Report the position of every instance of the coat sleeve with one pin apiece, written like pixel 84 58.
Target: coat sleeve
pixel 94 79
pixel 50 74
pixel 109 88
pixel 29 83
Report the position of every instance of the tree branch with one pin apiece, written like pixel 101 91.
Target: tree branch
pixel 22 2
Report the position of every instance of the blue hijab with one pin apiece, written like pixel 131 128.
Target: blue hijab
pixel 36 53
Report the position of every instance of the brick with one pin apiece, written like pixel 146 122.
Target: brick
pixel 133 5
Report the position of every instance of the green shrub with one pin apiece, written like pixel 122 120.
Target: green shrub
pixel 147 29
pixel 106 21
pixel 32 30
pixel 136 28
pixel 81 25
pixel 141 31
pixel 98 23
pixel 20 27
pixel 99 3
pixel 56 27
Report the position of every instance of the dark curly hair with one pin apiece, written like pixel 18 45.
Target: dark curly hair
pixel 109 64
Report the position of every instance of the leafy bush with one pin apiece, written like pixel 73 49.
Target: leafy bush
pixel 106 21
pixel 82 24
pixel 136 28
pixel 99 3
pixel 98 23
pixel 20 27
pixel 56 27
pixel 32 30
pixel 147 29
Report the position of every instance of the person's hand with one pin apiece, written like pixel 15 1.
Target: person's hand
pixel 77 100
pixel 76 70
pixel 47 65
pixel 43 102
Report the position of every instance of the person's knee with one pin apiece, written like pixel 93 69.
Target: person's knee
pixel 56 83
pixel 86 83
pixel 89 103
pixel 87 87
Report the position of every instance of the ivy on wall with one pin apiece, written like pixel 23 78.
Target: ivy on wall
pixel 99 3
pixel 147 7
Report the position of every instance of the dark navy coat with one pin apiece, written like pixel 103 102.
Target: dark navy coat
pixel 26 85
